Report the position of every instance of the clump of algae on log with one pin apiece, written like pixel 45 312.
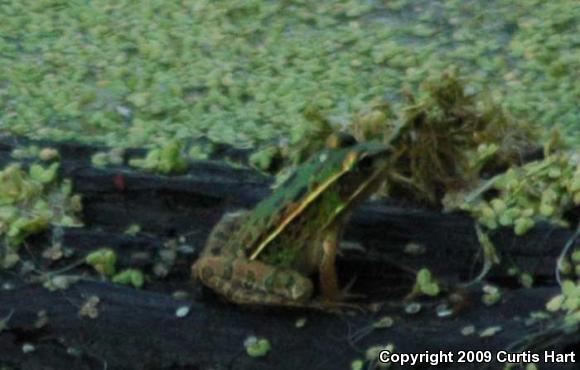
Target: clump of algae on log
pixel 457 137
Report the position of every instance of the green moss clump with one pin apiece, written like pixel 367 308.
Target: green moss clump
pixel 31 201
pixel 456 138
pixel 459 137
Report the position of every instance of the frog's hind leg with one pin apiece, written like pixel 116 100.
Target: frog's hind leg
pixel 217 240
pixel 245 281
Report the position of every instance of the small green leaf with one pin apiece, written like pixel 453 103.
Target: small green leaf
pixel 547 210
pixel 490 331
pixel 531 366
pixel 357 364
pixel 576 256
pixel 568 288
pixel 424 276
pixel 523 225
pixel 384 322
pixel 129 276
pixel 575 184
pixel 103 260
pixel 257 347
pixel 100 160
pixel 264 159
pixel 43 175
pixel 426 284
pixel 554 172
pixel 571 304
pixel 139 99
pixel 527 280
pixel 491 299
pixel 498 205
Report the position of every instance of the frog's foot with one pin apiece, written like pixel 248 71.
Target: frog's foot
pixel 338 302
pixel 245 281
pixel 345 293
pixel 338 306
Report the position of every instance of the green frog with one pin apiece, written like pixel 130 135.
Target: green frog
pixel 266 256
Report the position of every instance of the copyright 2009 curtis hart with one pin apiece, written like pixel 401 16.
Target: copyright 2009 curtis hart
pixel 504 357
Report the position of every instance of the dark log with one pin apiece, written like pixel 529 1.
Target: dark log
pixel 139 329
pixel 192 203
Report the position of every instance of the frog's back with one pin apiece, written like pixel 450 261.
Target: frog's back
pixel 291 203
pixel 293 193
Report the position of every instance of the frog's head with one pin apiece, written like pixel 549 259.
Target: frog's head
pixel 322 190
pixel 357 169
pixel 336 179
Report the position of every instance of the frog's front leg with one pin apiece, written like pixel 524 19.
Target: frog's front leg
pixel 246 281
pixel 327 268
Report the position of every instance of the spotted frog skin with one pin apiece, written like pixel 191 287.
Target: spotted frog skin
pixel 265 256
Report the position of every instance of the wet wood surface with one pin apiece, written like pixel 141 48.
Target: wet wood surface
pixel 140 329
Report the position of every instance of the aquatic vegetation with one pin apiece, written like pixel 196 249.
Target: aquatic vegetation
pixel 541 190
pixel 30 202
pixel 167 159
pixel 130 74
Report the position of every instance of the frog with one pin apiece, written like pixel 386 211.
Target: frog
pixel 267 256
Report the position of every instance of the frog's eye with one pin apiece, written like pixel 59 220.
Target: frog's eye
pixel 366 163
pixel 340 140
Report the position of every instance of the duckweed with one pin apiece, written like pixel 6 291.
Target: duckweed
pixel 104 261
pixel 31 201
pixel 132 277
pixel 426 284
pixel 127 73
pixel 541 190
pixel 167 159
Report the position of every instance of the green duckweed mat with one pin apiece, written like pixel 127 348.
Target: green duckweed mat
pixel 133 73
